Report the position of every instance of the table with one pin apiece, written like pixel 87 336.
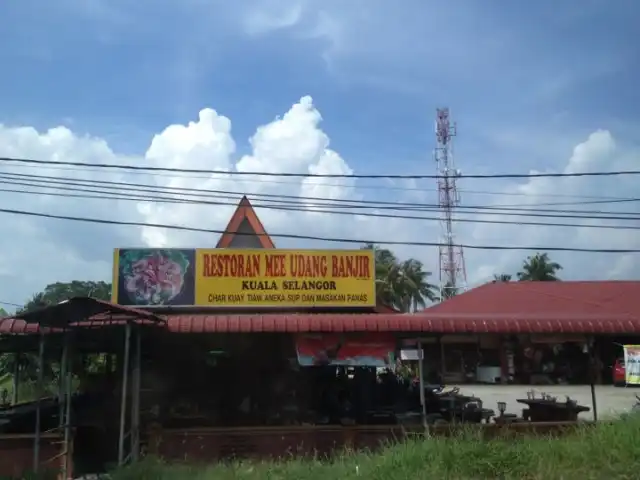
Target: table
pixel 541 410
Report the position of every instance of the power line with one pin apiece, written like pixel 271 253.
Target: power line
pixel 318 209
pixel 110 186
pixel 11 304
pixel 308 175
pixel 308 237
pixel 358 186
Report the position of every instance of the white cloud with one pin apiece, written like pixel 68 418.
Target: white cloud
pixel 599 152
pixel 39 251
pixel 271 16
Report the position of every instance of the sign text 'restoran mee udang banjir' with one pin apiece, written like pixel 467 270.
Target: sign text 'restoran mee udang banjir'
pixel 172 277
pixel 285 278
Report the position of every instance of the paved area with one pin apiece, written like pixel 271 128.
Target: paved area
pixel 611 401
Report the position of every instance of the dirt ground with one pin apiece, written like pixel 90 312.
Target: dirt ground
pixel 611 401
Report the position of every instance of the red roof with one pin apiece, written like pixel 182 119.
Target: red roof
pixel 10 325
pixel 245 211
pixel 518 307
pixel 76 312
pixel 501 307
pixel 421 322
pixel 545 300
pixel 374 322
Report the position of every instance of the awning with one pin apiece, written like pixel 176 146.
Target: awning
pixel 416 323
pixel 375 322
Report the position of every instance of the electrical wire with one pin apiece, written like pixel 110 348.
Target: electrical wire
pixel 11 304
pixel 312 175
pixel 309 237
pixel 356 186
pixel 110 186
pixel 315 209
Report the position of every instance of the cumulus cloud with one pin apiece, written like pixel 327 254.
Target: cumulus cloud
pixel 599 152
pixel 39 251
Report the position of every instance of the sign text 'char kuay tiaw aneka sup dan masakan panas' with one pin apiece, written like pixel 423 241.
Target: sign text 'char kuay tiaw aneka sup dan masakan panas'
pixel 243 278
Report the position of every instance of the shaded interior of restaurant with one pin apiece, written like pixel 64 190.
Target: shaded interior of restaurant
pixel 225 380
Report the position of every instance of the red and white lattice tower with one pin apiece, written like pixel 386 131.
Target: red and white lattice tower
pixel 453 273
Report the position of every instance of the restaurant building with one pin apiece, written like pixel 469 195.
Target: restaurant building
pixel 573 315
pixel 229 336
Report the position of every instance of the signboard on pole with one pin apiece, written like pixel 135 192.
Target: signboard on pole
pixel 632 364
pixel 244 278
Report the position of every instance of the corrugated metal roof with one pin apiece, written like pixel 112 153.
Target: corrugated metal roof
pixel 546 299
pixel 421 322
pixel 79 309
pixel 517 307
pixel 10 325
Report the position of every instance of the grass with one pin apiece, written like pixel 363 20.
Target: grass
pixel 606 451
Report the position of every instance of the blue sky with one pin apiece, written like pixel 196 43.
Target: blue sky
pixel 526 81
pixel 512 66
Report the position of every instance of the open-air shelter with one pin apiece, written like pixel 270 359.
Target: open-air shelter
pixel 73 326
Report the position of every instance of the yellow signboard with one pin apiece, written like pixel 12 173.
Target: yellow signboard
pixel 244 278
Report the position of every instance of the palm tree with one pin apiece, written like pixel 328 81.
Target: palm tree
pixel 401 284
pixel 539 268
pixel 413 288
pixel 503 277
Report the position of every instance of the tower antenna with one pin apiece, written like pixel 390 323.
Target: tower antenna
pixel 453 273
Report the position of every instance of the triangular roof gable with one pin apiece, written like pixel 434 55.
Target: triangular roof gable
pixel 546 298
pixel 243 212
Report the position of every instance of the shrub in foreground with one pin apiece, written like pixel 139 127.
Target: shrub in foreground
pixel 608 450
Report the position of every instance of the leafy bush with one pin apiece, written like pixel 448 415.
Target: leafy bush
pixel 606 451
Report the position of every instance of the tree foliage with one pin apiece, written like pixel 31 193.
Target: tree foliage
pixel 59 291
pixel 503 277
pixel 52 294
pixel 535 268
pixel 402 284
pixel 539 268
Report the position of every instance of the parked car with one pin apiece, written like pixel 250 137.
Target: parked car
pixel 619 373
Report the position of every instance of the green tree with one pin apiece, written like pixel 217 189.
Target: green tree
pixel 401 284
pixel 52 294
pixel 539 268
pixel 503 277
pixel 57 292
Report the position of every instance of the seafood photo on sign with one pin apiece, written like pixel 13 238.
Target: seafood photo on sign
pixel 156 277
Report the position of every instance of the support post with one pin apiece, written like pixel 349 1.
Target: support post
pixel 123 400
pixel 17 357
pixel 135 397
pixel 62 381
pixel 67 413
pixel 592 374
pixel 423 406
pixel 36 440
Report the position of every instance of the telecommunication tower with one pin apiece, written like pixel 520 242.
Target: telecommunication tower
pixel 453 273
